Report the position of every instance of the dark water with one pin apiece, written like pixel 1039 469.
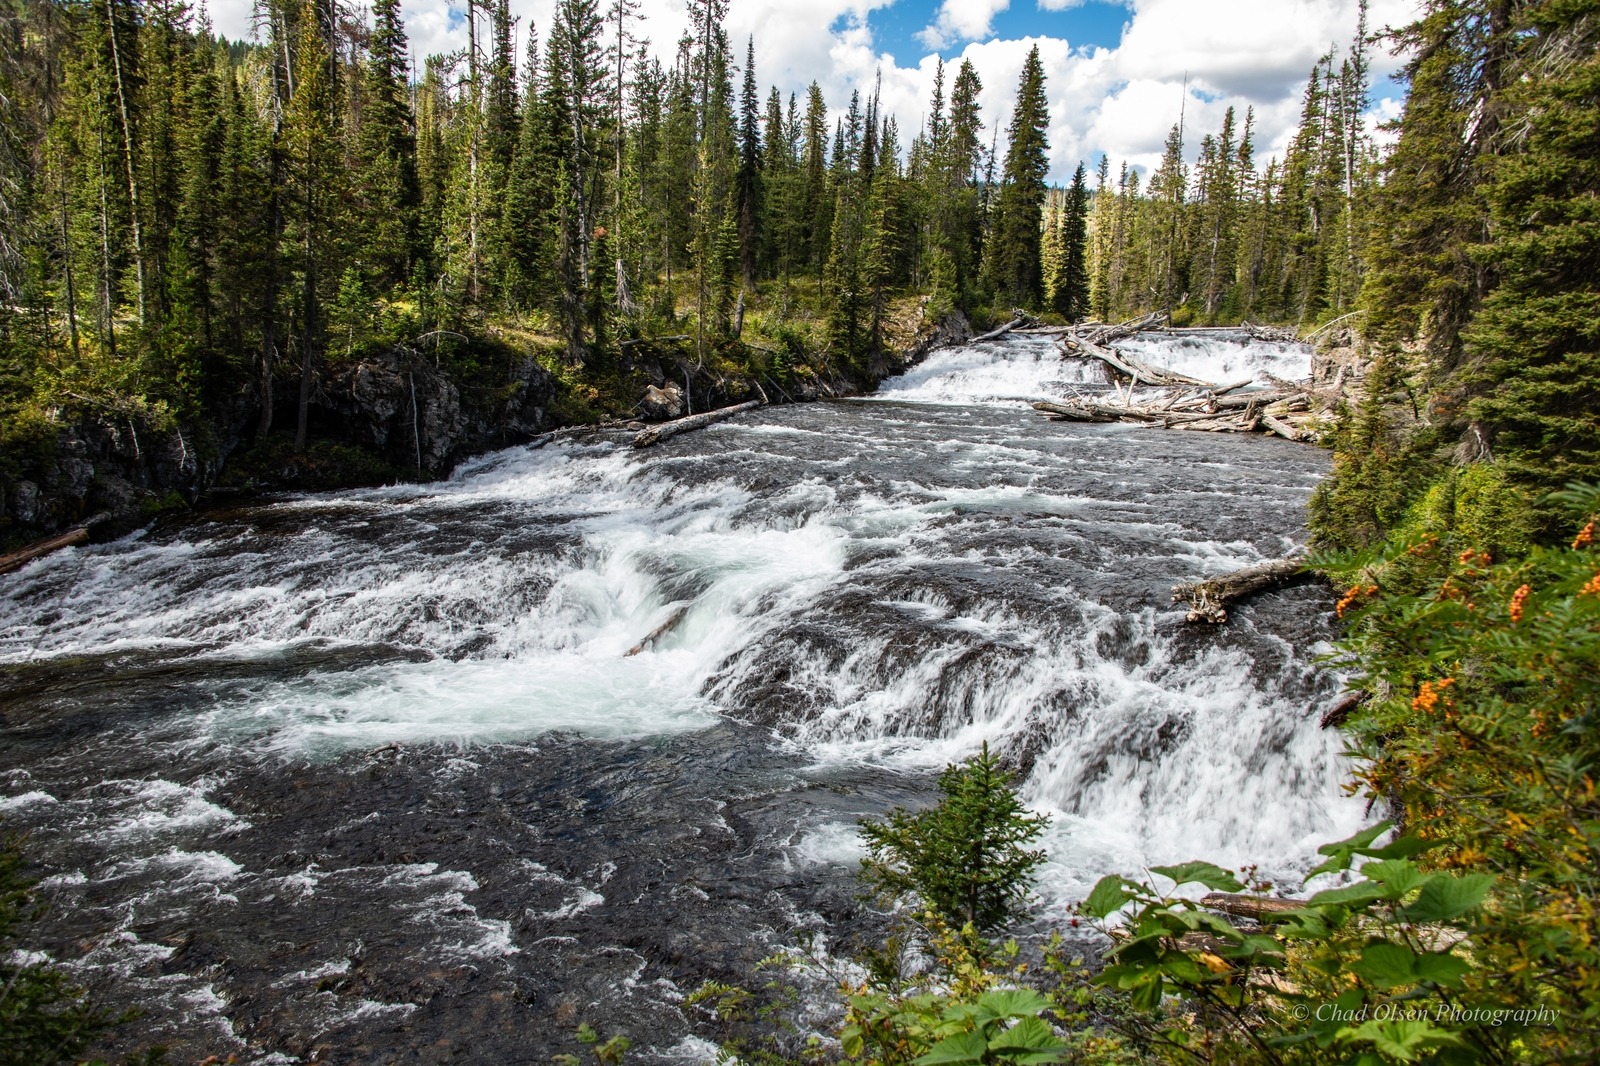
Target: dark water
pixel 371 777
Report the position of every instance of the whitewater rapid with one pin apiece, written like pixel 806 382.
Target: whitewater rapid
pixel 419 702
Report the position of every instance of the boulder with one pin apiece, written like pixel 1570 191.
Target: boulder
pixel 663 403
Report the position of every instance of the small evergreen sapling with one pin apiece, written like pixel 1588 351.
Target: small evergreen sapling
pixel 966 858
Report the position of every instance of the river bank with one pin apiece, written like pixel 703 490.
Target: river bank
pixel 399 418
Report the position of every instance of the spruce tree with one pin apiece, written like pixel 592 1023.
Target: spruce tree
pixel 1015 263
pixel 1534 343
pixel 748 183
pixel 1071 285
pixel 386 151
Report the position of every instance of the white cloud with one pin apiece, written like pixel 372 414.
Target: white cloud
pixel 1118 100
pixel 961 20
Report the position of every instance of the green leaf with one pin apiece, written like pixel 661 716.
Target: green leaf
pixel 1447 896
pixel 953 1050
pixel 1442 968
pixel 1386 965
pixel 1399 848
pixel 1342 852
pixel 1106 898
pixel 1398 876
pixel 1209 874
pixel 1012 1003
pixel 1032 1036
pixel 1404 1039
pixel 1356 895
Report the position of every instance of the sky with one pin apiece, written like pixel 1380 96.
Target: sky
pixel 1117 72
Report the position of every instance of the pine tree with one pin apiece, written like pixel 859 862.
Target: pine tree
pixel 312 163
pixel 386 152
pixel 748 183
pixel 1015 264
pixel 1534 344
pixel 1071 286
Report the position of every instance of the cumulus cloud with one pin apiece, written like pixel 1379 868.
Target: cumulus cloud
pixel 1196 57
pixel 961 20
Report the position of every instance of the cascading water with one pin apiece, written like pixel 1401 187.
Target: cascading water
pixel 376 770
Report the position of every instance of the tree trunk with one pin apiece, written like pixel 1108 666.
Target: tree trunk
pixel 38 549
pixel 657 434
pixel 1209 600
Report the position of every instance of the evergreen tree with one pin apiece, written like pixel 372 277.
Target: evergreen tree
pixel 748 184
pixel 1071 286
pixel 1015 263
pixel 312 158
pixel 387 154
pixel 1534 343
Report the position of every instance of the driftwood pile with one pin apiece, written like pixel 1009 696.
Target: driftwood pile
pixel 1283 408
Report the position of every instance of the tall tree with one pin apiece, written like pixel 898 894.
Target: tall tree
pixel 1015 263
pixel 1071 286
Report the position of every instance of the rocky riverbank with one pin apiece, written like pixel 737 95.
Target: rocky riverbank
pixel 393 418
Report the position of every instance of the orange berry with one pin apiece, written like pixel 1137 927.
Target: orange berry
pixel 1518 598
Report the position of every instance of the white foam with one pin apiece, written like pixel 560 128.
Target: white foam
pixel 831 844
pixel 998 372
pixel 27 799
pixel 158 807
pixel 1222 358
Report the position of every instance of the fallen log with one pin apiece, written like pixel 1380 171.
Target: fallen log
pixel 1280 427
pixel 1070 412
pixel 1135 369
pixel 1279 334
pixel 1337 715
pixel 658 632
pixel 40 548
pixel 654 340
pixel 1123 364
pixel 996 334
pixel 1256 908
pixel 667 430
pixel 1105 334
pixel 1209 600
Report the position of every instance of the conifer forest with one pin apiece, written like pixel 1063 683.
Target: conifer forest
pixel 571 550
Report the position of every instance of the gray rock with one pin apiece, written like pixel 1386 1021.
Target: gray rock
pixel 662 403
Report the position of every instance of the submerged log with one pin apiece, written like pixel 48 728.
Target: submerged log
pixel 40 548
pixel 1209 600
pixel 668 430
pixel 659 631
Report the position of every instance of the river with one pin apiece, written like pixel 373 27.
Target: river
pixel 370 776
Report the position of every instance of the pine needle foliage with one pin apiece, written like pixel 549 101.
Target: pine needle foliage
pixel 966 858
